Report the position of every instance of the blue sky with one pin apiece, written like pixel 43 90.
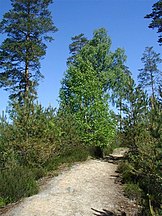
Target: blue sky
pixel 123 19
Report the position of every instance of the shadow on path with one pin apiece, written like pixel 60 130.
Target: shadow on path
pixel 105 212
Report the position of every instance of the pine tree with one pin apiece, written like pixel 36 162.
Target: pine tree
pixel 27 26
pixel 135 110
pixel 150 77
pixel 142 134
pixel 119 82
pixel 156 16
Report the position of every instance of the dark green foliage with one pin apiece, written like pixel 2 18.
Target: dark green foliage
pixel 38 172
pixel 71 147
pixel 69 131
pixel 31 138
pixel 135 112
pixel 27 26
pixel 77 154
pixel 16 183
pixel 7 154
pixel 133 192
pixel 36 141
pixel 156 17
pixel 70 156
pixel 128 172
pixel 79 42
pixel 142 133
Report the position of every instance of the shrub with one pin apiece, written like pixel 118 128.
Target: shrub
pixel 68 157
pixel 38 172
pixel 77 154
pixel 2 202
pixel 16 183
pixel 133 192
pixel 109 148
pixel 127 172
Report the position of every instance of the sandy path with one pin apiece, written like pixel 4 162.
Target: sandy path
pixel 74 192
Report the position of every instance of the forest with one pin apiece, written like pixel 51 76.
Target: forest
pixel 35 141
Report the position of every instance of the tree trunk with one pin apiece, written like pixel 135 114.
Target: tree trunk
pixel 153 92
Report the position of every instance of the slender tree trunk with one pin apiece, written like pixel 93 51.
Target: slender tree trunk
pixel 153 92
pixel 27 57
pixel 26 79
pixel 120 114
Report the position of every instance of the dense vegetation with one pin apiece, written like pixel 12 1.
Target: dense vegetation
pixel 141 132
pixel 35 140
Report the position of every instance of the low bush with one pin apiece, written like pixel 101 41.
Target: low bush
pixel 67 157
pixel 38 172
pixel 133 192
pixel 127 172
pixel 2 202
pixel 16 183
pixel 109 149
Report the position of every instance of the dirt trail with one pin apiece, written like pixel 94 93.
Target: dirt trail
pixel 76 191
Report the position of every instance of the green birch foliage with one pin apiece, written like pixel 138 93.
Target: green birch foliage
pixel 27 26
pixel 83 91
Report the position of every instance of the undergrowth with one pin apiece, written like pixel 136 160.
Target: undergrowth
pixel 20 181
pixel 16 183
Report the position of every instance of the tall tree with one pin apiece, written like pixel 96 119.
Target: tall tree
pixel 119 81
pixel 135 109
pixel 142 133
pixel 83 90
pixel 156 17
pixel 150 77
pixel 27 26
pixel 97 54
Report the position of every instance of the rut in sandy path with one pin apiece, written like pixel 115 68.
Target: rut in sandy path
pixel 74 192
